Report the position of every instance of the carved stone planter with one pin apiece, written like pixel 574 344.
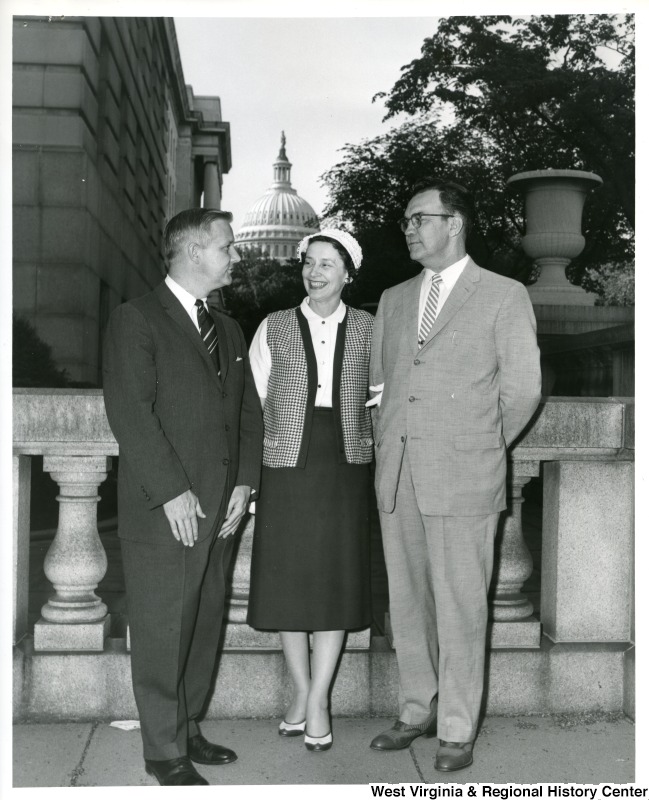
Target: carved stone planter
pixel 554 202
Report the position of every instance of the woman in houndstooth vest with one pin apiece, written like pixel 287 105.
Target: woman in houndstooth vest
pixel 310 559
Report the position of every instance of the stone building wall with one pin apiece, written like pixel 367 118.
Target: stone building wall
pixel 102 157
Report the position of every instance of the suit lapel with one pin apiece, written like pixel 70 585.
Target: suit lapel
pixel 175 310
pixel 224 359
pixel 410 314
pixel 463 289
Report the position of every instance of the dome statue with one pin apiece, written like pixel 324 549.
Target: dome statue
pixel 280 218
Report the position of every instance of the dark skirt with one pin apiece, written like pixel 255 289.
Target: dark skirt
pixel 310 557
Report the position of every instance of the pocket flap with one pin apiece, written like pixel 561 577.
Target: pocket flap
pixel 478 441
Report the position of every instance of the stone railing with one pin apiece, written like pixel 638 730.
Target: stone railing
pixel 585 447
pixel 597 363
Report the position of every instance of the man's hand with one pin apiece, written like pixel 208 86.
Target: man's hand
pixel 236 509
pixel 182 513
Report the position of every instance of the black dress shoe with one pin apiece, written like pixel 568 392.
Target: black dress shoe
pixel 453 755
pixel 203 752
pixel 175 772
pixel 401 735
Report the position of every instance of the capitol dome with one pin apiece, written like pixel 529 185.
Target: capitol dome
pixel 280 218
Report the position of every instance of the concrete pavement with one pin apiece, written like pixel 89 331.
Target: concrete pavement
pixel 565 749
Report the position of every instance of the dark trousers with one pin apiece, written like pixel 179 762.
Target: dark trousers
pixel 175 597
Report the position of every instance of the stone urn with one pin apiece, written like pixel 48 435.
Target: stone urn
pixel 554 202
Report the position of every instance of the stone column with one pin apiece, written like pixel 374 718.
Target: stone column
pixel 74 618
pixel 211 186
pixel 587 566
pixel 22 474
pixel 510 610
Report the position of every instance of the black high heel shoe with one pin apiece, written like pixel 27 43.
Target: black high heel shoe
pixel 317 744
pixel 291 728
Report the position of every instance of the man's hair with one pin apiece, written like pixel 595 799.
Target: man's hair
pixel 191 223
pixel 454 197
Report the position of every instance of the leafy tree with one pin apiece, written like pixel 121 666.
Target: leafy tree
pixel 260 285
pixel 491 96
pixel 371 187
pixel 33 364
pixel 614 283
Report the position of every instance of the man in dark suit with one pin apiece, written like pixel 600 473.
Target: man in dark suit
pixel 454 351
pixel 181 402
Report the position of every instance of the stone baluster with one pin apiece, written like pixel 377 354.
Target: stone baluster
pixel 237 607
pixel 510 610
pixel 74 618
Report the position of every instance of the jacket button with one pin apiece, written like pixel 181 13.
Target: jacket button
pixel 417 362
pixel 226 461
pixel 411 399
pixel 227 427
pixel 225 394
pixel 403 438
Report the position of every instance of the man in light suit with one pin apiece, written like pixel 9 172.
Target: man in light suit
pixel 454 353
pixel 181 402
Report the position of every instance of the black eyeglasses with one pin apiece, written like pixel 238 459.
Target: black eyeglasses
pixel 416 220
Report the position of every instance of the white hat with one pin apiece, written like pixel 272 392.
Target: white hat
pixel 345 239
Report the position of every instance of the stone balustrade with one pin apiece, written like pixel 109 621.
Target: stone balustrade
pixel 577 655
pixel 584 446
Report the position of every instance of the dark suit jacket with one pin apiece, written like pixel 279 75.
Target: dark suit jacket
pixel 178 424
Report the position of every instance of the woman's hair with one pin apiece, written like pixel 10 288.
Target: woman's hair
pixel 342 252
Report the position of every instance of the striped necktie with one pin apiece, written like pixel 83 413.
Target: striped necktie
pixel 430 311
pixel 208 333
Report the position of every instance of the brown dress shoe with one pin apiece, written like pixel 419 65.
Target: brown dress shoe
pixel 203 752
pixel 401 735
pixel 175 772
pixel 453 755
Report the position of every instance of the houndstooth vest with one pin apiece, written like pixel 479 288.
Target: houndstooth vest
pixel 292 388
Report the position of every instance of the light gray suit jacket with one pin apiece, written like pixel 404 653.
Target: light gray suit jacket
pixel 460 400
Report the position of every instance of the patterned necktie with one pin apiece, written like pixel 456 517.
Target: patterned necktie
pixel 430 311
pixel 208 332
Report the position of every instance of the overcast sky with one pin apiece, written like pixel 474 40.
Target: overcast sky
pixel 312 78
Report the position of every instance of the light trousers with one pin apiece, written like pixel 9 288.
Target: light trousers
pixel 439 571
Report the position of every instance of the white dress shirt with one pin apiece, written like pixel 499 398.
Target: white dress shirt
pixel 188 300
pixel 323 335
pixel 449 278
